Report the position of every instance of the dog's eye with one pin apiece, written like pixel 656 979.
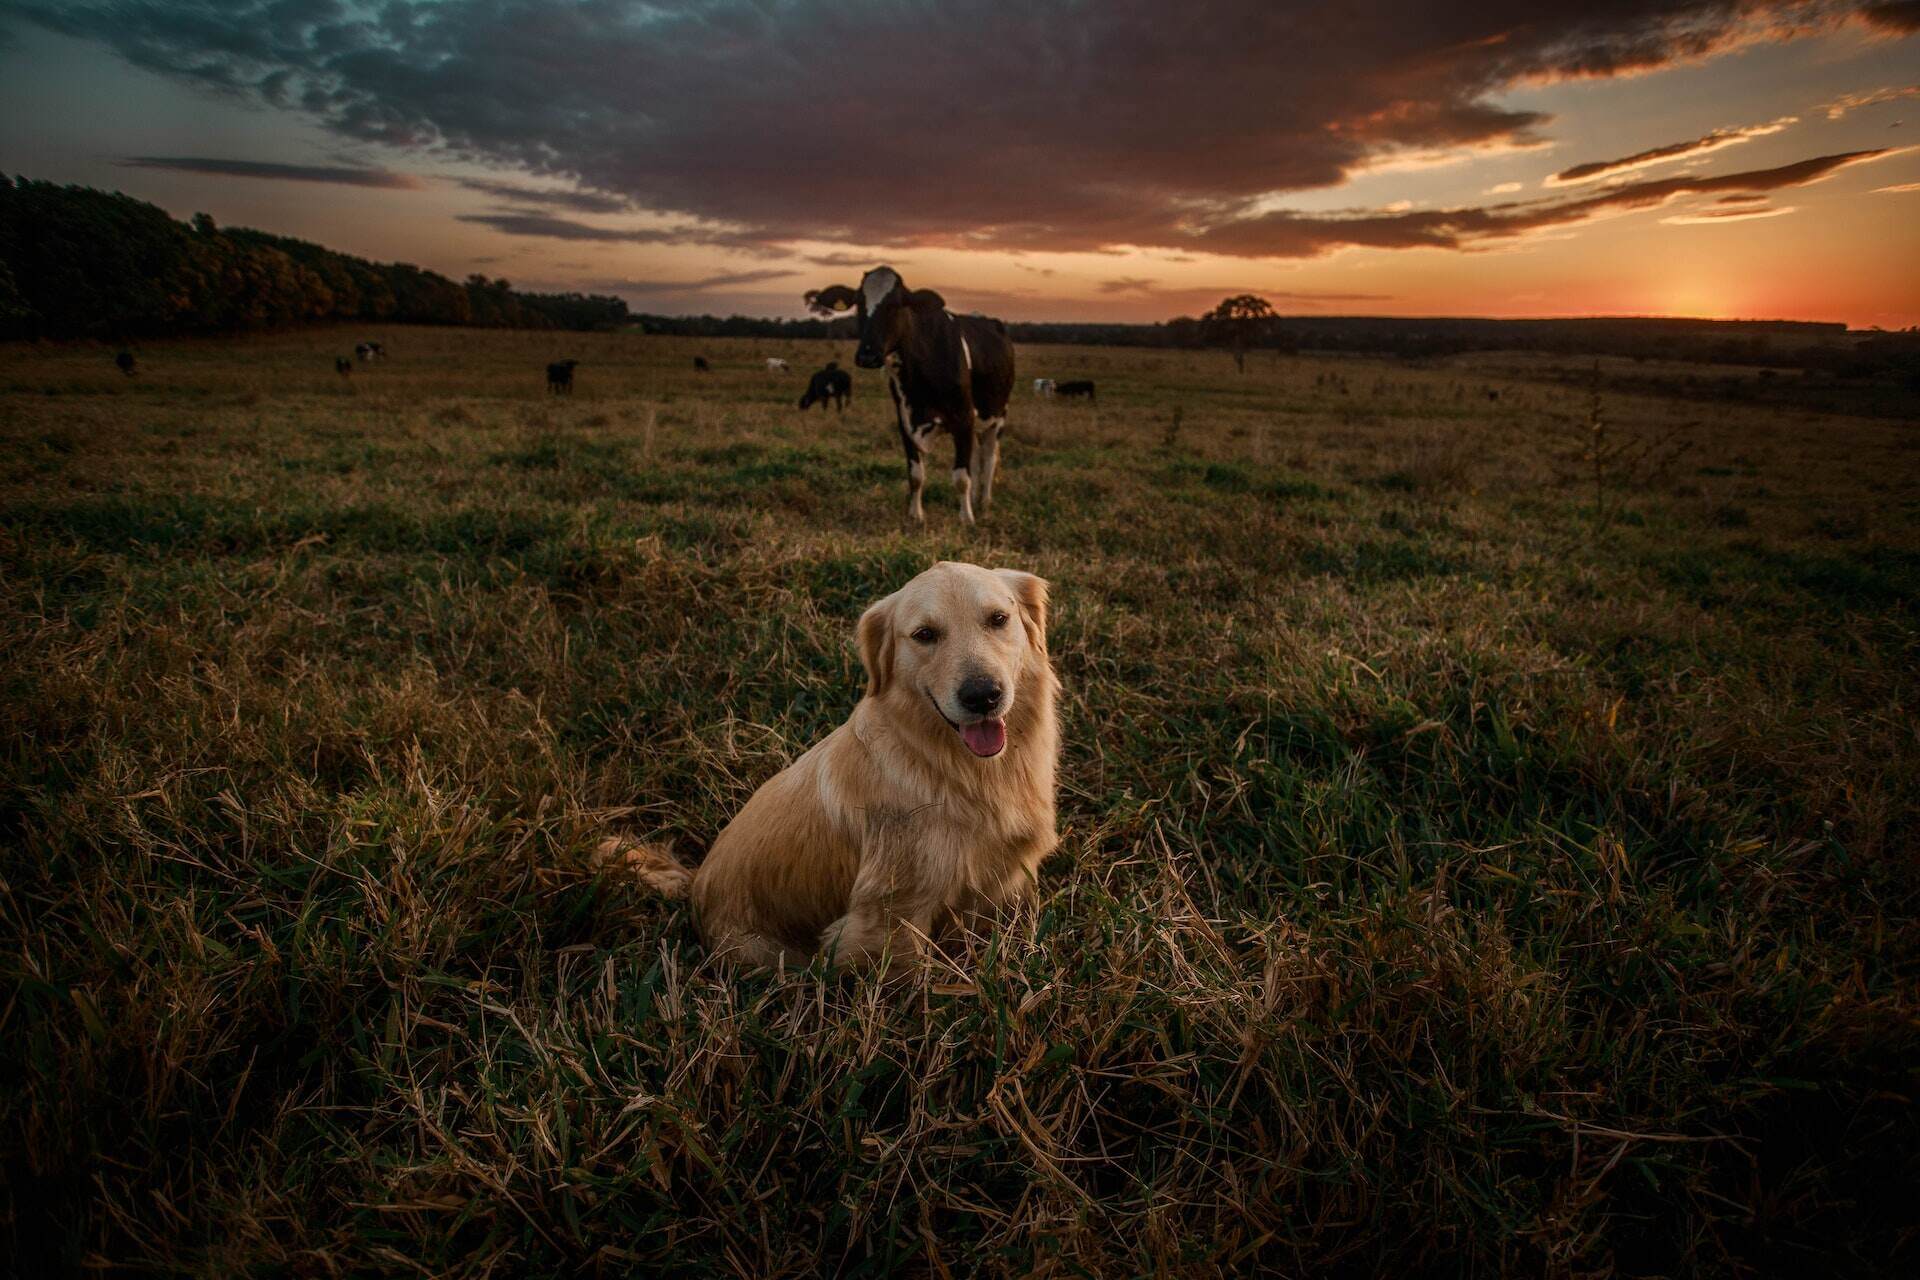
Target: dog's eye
pixel 926 635
pixel 997 619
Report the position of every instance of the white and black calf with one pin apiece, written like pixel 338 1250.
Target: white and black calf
pixel 945 372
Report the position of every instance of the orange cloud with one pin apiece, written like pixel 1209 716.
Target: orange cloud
pixel 1718 140
pixel 1719 217
pixel 1854 101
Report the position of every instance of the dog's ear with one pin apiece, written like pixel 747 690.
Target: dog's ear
pixel 1031 592
pixel 926 300
pixel 875 635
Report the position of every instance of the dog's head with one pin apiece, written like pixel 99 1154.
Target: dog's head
pixel 958 649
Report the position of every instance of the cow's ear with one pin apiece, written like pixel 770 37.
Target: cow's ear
pixel 834 298
pixel 926 300
pixel 875 635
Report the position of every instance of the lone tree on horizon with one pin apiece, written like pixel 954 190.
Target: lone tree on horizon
pixel 1237 323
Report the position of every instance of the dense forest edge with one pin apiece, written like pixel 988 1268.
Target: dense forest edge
pixel 76 262
pixel 81 263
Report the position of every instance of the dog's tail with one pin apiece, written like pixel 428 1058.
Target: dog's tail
pixel 653 864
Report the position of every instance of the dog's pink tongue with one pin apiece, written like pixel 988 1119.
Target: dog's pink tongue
pixel 988 738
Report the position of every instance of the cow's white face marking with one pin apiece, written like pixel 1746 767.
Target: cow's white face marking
pixel 878 284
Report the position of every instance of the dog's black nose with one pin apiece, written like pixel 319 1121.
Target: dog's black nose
pixel 981 695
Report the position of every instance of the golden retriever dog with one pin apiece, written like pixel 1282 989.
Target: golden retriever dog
pixel 932 804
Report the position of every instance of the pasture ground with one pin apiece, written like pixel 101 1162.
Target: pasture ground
pixel 1463 869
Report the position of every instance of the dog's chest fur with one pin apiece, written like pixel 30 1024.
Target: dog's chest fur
pixel 976 832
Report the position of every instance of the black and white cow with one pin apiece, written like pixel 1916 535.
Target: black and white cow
pixel 946 372
pixel 831 383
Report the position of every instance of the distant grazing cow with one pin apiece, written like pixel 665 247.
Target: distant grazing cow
pixel 1492 395
pixel 124 362
pixel 369 352
pixel 1043 386
pixel 944 372
pixel 831 383
pixel 776 365
pixel 342 366
pixel 560 377
pixel 1069 390
pixel 700 365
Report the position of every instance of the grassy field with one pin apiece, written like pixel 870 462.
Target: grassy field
pixel 1466 866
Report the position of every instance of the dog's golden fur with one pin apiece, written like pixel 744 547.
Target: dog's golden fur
pixel 893 825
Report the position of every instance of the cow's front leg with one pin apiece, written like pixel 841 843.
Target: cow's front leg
pixel 963 466
pixel 914 440
pixel 986 459
pixel 916 481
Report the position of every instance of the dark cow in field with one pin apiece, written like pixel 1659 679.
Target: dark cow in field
pixel 560 377
pixel 1068 390
pixel 945 372
pixel 831 383
pixel 700 365
pixel 369 352
pixel 343 366
pixel 124 362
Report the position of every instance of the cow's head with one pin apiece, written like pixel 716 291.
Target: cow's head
pixel 888 311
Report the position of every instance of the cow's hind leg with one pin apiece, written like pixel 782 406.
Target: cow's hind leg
pixel 986 459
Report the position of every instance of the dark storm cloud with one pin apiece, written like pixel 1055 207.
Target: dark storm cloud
pixel 544 226
pixel 551 228
pixel 691 286
pixel 1196 297
pixel 982 124
pixel 341 176
pixel 1902 19
pixel 852 261
pixel 548 198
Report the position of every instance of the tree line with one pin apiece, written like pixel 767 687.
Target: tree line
pixel 76 262
pixel 80 263
pixel 1247 324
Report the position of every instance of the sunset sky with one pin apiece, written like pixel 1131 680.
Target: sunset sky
pixel 1106 160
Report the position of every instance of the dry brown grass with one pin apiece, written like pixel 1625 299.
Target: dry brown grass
pixel 1449 882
